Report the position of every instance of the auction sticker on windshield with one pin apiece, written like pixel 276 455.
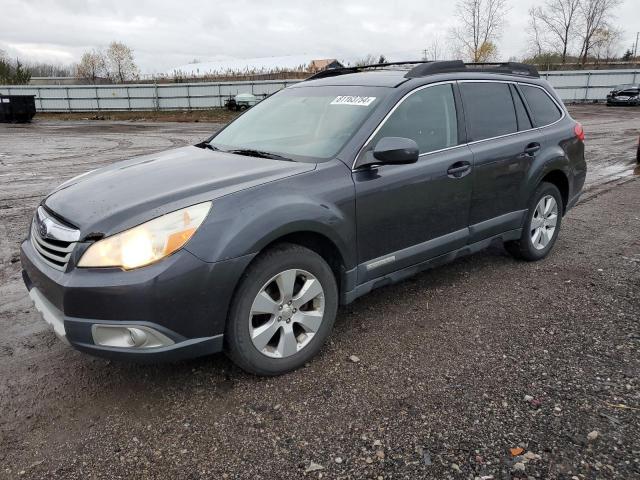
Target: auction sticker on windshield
pixel 353 100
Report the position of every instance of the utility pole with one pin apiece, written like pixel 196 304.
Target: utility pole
pixel 635 47
pixel 424 52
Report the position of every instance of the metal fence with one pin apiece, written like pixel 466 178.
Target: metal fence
pixel 176 96
pixel 588 85
pixel 572 86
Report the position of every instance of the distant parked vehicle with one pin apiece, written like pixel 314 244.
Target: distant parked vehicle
pixel 242 101
pixel 624 95
pixel 17 108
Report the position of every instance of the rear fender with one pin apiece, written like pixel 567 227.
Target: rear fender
pixel 549 160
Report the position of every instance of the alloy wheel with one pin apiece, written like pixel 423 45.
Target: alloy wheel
pixel 286 313
pixel 544 221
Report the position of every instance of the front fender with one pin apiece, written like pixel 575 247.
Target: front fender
pixel 321 201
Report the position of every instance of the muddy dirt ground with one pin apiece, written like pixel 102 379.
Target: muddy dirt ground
pixel 214 115
pixel 456 366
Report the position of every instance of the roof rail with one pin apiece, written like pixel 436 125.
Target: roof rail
pixel 429 68
pixel 512 68
pixel 509 68
pixel 332 72
pixel 423 68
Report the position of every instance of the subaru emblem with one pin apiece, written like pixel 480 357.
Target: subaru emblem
pixel 42 228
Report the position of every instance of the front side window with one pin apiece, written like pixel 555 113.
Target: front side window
pixel 489 110
pixel 302 123
pixel 543 109
pixel 427 116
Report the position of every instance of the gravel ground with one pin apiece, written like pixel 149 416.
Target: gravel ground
pixel 486 367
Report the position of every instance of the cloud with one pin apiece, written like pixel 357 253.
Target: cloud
pixel 164 34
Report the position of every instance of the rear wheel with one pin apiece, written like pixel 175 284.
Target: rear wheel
pixel 542 226
pixel 282 312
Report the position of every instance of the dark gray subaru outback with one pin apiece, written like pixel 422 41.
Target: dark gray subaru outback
pixel 354 179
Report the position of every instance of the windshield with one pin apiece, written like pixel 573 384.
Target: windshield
pixel 302 123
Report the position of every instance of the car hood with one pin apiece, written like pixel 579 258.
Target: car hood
pixel 125 194
pixel 629 92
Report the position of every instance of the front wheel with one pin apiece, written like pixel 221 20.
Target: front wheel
pixel 282 312
pixel 542 226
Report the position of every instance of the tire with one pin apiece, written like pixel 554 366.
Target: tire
pixel 293 342
pixel 525 248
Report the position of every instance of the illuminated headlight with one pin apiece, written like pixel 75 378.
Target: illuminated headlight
pixel 147 243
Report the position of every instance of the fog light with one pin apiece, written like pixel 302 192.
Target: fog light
pixel 138 337
pixel 129 336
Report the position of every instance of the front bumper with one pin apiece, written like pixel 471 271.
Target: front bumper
pixel 181 297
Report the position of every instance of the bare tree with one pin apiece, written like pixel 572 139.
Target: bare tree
pixel 120 63
pixel 606 43
pixel 480 24
pixel 558 19
pixel 92 66
pixel 46 69
pixel 367 60
pixel 595 15
pixel 536 35
pixel 435 50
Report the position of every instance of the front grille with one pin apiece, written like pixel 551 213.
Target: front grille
pixel 53 251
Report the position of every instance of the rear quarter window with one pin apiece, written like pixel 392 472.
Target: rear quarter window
pixel 489 109
pixel 543 109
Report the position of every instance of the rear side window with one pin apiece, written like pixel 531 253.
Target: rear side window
pixel 524 123
pixel 428 116
pixel 543 109
pixel 489 110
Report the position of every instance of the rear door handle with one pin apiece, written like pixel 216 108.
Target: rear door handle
pixel 532 148
pixel 459 169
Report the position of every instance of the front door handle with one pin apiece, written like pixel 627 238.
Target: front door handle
pixel 459 169
pixel 532 148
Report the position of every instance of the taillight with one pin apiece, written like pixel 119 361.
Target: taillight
pixel 579 131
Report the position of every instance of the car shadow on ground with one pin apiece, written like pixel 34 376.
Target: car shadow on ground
pixel 222 374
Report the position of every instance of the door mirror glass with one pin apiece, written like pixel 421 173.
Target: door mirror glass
pixel 398 150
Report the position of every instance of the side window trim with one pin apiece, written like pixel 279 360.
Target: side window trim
pixel 461 117
pixel 453 84
pixel 463 135
pixel 562 110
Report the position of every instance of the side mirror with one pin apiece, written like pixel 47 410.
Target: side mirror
pixel 394 150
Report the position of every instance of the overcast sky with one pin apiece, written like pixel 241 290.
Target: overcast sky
pixel 169 33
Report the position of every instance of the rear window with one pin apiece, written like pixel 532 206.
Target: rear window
pixel 543 109
pixel 488 109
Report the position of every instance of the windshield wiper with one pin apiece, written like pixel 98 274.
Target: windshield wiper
pixel 206 145
pixel 209 146
pixel 258 153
